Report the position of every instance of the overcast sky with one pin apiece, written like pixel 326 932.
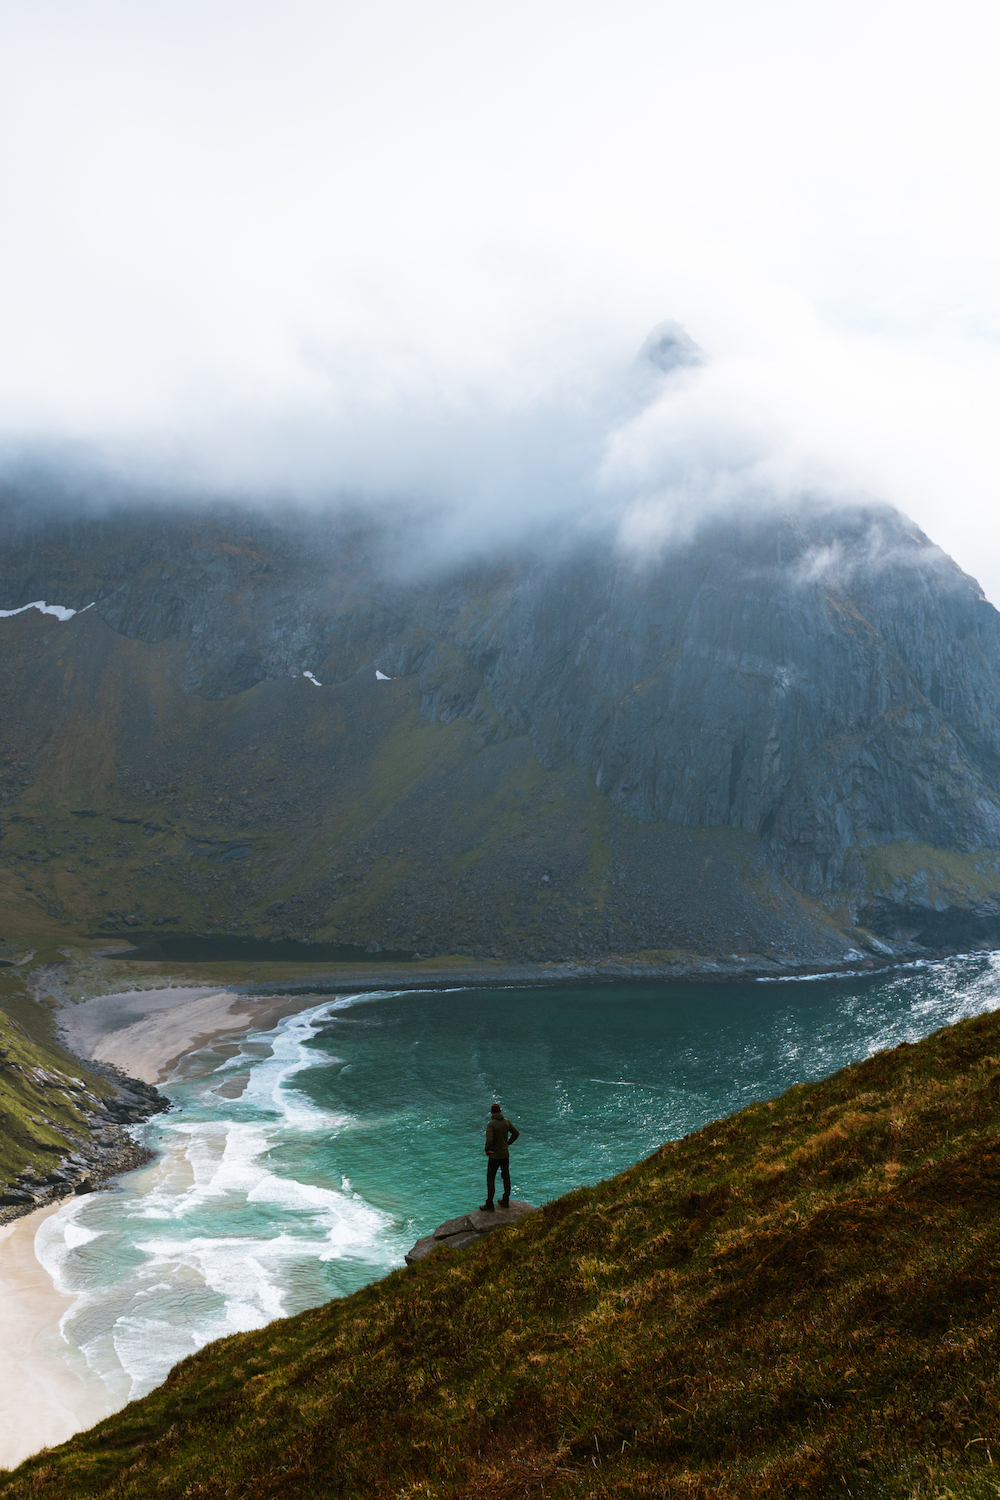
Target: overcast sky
pixel 410 251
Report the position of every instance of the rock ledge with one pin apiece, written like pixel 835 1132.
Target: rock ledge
pixel 468 1228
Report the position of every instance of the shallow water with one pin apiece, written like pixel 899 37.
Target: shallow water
pixel 359 1125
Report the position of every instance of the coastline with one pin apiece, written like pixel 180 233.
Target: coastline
pixel 44 1397
pixel 146 1033
pixel 445 974
pixel 47 1393
pixel 43 1400
pixel 136 1036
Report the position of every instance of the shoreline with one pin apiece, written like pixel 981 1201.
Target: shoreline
pixel 45 1395
pixel 432 975
pixel 43 1399
pixel 145 1034
pixel 572 975
pixel 136 1037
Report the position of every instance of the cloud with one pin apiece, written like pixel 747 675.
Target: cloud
pixel 406 255
pixel 841 416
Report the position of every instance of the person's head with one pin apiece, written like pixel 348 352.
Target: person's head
pixel 495 1109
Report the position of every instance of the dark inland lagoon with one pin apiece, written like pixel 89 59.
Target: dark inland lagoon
pixel 306 1164
pixel 225 948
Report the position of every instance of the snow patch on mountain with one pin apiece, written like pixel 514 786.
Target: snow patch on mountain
pixel 59 610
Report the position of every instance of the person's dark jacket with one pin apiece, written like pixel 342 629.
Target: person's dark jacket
pixel 500 1133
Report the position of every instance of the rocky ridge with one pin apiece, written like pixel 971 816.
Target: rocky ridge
pixel 779 740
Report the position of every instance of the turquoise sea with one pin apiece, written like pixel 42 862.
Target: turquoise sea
pixel 306 1165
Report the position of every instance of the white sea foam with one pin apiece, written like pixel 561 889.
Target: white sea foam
pixel 235 1239
pixel 269 1085
pixel 271 1080
pixel 75 1234
pixel 215 1157
pixel 57 1236
pixel 145 1350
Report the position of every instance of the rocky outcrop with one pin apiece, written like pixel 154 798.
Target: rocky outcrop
pixel 468 1228
pixel 100 1151
pixel 93 1164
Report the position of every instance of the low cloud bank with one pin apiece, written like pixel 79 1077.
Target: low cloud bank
pixel 403 258
pixel 645 448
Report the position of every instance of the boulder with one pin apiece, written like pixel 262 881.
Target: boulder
pixel 468 1228
pixel 482 1222
pixel 452 1226
pixel 421 1248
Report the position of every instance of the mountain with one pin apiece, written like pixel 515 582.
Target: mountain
pixel 800 1299
pixel 777 741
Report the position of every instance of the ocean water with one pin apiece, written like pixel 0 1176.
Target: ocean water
pixel 304 1162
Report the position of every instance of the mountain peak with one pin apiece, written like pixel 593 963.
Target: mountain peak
pixel 670 347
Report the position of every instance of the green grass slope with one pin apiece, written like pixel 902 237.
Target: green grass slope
pixel 48 1098
pixel 802 1299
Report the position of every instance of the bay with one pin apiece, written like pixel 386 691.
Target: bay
pixel 303 1162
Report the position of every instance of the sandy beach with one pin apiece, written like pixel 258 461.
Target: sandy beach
pixel 146 1033
pixel 46 1392
pixel 43 1399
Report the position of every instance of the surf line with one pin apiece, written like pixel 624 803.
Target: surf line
pixel 108 1291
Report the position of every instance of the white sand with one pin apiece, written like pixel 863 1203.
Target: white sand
pixel 46 1392
pixel 43 1401
pixel 147 1032
pixel 88 1022
pixel 151 1048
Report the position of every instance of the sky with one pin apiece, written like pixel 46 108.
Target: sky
pixel 408 254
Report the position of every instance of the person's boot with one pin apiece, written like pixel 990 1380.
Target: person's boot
pixel 488 1208
pixel 505 1202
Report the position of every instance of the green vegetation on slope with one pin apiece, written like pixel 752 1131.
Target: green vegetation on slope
pixel 801 1300
pixel 354 814
pixel 47 1097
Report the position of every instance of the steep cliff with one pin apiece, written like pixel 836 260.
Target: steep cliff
pixel 778 738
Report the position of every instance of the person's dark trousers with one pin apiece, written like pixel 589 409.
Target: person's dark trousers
pixel 503 1162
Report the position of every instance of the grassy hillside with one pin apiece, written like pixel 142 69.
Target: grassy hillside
pixel 802 1299
pixel 48 1100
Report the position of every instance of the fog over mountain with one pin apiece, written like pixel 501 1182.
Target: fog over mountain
pixel 773 742
pixel 407 257
pixel 617 382
pixel 498 522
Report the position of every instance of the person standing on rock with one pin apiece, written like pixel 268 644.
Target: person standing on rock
pixel 500 1135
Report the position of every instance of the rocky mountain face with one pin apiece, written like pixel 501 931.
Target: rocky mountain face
pixel 781 737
